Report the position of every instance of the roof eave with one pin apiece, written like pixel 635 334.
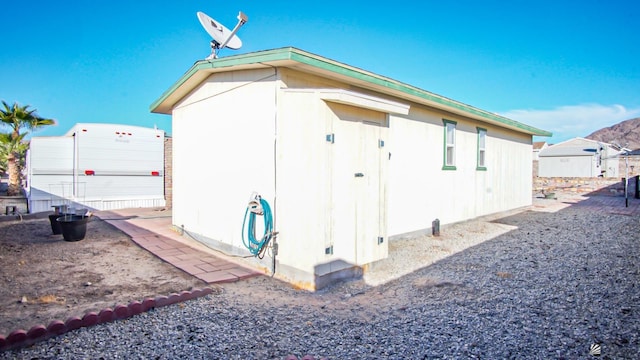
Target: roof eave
pixel 202 69
pixel 307 62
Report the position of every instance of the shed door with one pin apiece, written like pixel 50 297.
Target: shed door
pixel 358 186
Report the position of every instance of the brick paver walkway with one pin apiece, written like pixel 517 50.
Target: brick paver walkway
pixel 151 229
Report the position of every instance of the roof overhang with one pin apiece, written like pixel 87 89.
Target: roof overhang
pixel 303 61
pixel 353 98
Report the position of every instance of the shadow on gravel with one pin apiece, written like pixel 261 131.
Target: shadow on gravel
pixel 556 284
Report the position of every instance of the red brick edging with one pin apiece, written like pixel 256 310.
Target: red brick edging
pixel 21 337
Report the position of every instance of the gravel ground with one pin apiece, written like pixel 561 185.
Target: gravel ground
pixel 548 286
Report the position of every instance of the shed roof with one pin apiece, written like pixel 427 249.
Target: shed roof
pixel 580 141
pixel 574 147
pixel 115 127
pixel 300 60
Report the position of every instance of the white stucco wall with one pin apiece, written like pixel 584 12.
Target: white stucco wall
pixel 302 169
pixel 420 191
pixel 223 150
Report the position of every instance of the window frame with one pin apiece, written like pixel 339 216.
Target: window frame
pixel 481 150
pixel 446 145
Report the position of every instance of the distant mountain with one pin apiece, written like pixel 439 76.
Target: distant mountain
pixel 626 133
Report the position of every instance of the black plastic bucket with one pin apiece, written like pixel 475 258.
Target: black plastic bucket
pixel 56 229
pixel 74 227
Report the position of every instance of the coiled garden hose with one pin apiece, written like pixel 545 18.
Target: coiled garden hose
pixel 255 246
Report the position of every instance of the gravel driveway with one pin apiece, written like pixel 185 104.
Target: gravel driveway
pixel 532 285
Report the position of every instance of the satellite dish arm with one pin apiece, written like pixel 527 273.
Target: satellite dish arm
pixel 242 19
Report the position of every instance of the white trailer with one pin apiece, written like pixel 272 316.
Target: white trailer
pixel 97 166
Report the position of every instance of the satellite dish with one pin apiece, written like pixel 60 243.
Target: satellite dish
pixel 222 37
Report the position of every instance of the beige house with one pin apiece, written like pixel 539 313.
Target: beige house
pixel 537 147
pixel 346 159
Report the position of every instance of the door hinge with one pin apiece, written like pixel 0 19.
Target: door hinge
pixel 380 143
pixel 330 138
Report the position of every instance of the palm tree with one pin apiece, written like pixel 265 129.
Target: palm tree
pixel 12 156
pixel 17 118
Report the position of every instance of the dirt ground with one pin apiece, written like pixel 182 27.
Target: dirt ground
pixel 45 278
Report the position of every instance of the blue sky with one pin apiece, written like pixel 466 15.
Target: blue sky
pixel 569 67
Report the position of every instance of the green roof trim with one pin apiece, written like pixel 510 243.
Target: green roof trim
pixel 321 63
pixel 230 61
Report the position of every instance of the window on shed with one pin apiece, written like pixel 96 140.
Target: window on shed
pixel 449 145
pixel 482 147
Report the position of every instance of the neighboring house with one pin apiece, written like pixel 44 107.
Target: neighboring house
pixel 97 166
pixel 347 159
pixel 537 147
pixel 579 157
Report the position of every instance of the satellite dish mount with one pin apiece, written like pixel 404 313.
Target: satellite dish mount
pixel 221 36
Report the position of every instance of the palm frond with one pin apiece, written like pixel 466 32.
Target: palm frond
pixel 18 117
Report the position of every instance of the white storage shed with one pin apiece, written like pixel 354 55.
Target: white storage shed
pixel 579 157
pixel 97 166
pixel 347 160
